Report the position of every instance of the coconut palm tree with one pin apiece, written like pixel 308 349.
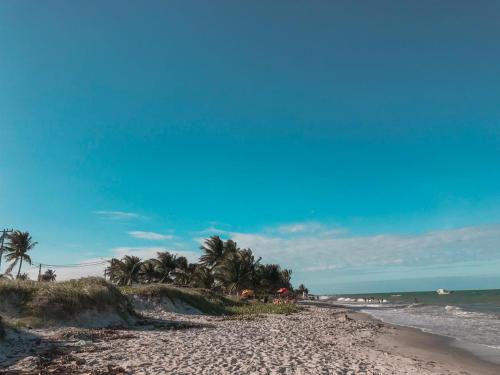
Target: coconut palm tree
pixel 148 271
pixel 237 270
pixel 203 277
pixel 286 277
pixel 124 271
pixel 49 275
pixel 184 271
pixel 19 244
pixel 165 264
pixel 268 278
pixel 230 247
pixel 214 252
pixel 302 290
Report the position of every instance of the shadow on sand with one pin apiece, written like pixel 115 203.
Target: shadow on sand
pixel 54 351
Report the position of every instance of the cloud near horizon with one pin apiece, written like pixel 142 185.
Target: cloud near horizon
pixel 330 251
pixel 307 227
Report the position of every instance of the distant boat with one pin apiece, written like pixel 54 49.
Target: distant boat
pixel 442 291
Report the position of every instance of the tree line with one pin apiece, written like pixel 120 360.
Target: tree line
pixel 223 266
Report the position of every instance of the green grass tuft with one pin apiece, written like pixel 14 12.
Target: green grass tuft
pixel 263 308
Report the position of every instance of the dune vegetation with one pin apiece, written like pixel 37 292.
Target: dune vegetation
pixel 206 301
pixel 36 304
pixel 40 303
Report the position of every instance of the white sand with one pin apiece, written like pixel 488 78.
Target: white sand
pixel 314 341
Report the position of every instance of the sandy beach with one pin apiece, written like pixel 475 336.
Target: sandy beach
pixel 316 340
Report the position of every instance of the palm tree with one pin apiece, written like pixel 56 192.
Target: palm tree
pixel 148 271
pixel 49 275
pixel 184 271
pixel 214 252
pixel 230 247
pixel 124 271
pixel 237 270
pixel 165 264
pixel 203 277
pixel 268 278
pixel 286 276
pixel 302 290
pixel 19 244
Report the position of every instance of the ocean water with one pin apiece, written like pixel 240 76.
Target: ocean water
pixel 472 317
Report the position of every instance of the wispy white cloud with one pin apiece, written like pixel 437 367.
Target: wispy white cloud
pixel 211 230
pixel 299 227
pixel 320 268
pixel 117 215
pixel 152 236
pixel 325 250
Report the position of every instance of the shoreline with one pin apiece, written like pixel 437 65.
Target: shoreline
pixel 433 347
pixel 483 352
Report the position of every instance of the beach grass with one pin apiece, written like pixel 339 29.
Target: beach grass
pixel 38 303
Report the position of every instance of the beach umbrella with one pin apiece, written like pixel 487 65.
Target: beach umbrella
pixel 247 293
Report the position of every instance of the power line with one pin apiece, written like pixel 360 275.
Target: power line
pixel 73 265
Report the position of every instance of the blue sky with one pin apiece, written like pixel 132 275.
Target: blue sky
pixel 356 143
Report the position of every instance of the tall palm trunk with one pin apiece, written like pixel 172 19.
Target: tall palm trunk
pixel 19 270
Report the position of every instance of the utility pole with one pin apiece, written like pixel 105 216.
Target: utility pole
pixel 2 239
pixel 40 272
